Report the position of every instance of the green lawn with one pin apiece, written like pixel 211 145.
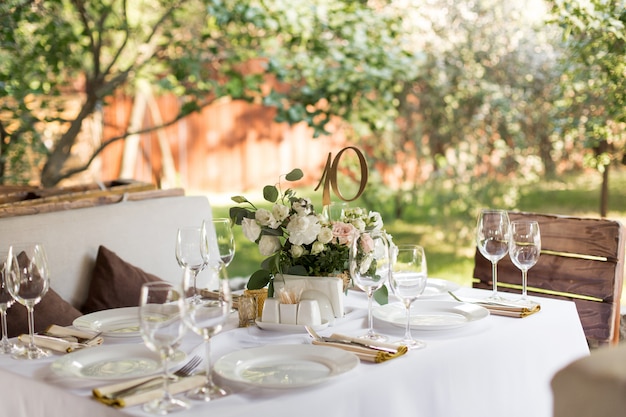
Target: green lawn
pixel 450 255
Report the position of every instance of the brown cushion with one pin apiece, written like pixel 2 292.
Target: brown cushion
pixel 52 309
pixel 114 283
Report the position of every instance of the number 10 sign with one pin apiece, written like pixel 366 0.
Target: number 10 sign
pixel 329 176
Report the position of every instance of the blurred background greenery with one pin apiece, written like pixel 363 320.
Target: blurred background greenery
pixel 448 238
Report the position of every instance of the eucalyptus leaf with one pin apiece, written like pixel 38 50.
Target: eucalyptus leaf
pixel 259 280
pixel 270 193
pixel 381 295
pixel 294 175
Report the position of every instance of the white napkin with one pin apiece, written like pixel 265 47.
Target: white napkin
pixel 151 392
pixel 63 339
pixel 366 353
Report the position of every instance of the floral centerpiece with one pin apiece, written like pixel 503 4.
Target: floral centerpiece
pixel 297 240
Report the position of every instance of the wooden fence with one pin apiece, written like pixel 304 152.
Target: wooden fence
pixel 229 146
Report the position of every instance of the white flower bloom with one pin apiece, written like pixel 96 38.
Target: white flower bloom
pixel 265 218
pixel 251 229
pixel 325 235
pixel 302 206
pixel 268 245
pixel 297 251
pixel 280 212
pixel 318 247
pixel 376 222
pixel 359 224
pixel 303 230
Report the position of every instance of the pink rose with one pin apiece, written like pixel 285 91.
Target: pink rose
pixel 367 243
pixel 343 232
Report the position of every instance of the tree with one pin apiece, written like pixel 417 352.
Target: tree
pixel 594 82
pixel 76 51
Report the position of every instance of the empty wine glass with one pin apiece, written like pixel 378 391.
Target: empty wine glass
pixel 28 286
pixel 225 239
pixel 408 280
pixel 492 239
pixel 524 249
pixel 6 300
pixel 206 315
pixel 190 250
pixel 369 266
pixel 162 329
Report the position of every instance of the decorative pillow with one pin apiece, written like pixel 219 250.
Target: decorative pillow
pixel 114 283
pixel 52 309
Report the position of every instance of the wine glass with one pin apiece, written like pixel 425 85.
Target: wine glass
pixel 206 315
pixel 225 239
pixel 492 239
pixel 524 249
pixel 190 250
pixel 162 329
pixel 27 287
pixel 369 266
pixel 6 301
pixel 408 280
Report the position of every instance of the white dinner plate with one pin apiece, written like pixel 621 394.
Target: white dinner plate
pixel 431 314
pixel 116 322
pixel 285 366
pixel 289 328
pixel 112 362
pixel 436 287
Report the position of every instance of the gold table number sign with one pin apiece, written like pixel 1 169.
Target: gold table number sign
pixel 329 176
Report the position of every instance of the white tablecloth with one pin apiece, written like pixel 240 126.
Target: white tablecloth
pixel 496 367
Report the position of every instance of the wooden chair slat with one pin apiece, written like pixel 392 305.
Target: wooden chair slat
pixel 584 277
pixel 582 258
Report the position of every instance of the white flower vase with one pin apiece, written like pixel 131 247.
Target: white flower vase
pixel 332 287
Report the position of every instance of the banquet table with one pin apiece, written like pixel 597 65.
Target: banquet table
pixel 496 366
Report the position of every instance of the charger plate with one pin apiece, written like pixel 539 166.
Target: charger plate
pixel 114 362
pixel 285 366
pixel 431 314
pixel 116 322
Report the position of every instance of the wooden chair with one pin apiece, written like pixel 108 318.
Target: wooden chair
pixel 582 259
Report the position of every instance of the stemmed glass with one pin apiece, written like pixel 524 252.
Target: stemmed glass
pixel 524 249
pixel 206 315
pixel 369 266
pixel 27 287
pixel 225 239
pixel 492 239
pixel 162 329
pixel 6 300
pixel 190 250
pixel 408 280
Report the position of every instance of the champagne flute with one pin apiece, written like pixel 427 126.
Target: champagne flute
pixel 190 250
pixel 492 239
pixel 408 280
pixel 7 267
pixel 225 239
pixel 206 315
pixel 28 286
pixel 524 249
pixel 162 329
pixel 369 266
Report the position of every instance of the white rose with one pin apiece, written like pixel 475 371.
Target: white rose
pixel 297 251
pixel 303 230
pixel 375 220
pixel 265 218
pixel 358 224
pixel 251 229
pixel 325 235
pixel 280 212
pixel 318 247
pixel 268 245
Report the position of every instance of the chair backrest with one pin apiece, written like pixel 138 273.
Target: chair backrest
pixel 582 259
